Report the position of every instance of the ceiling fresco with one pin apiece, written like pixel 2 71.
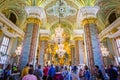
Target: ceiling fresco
pixel 61 10
pixel 18 8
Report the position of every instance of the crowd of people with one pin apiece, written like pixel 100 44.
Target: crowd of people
pixel 52 72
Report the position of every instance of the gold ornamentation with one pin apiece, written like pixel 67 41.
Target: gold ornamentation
pixel 10 30
pixel 1 33
pixel 88 21
pixel 34 20
pixel 72 46
pixel 78 38
pixel 44 38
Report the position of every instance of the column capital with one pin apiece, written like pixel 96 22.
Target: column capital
pixel 72 43
pixel 43 38
pixel 88 21
pixel 44 34
pixel 35 14
pixel 78 38
pixel 88 12
pixel 34 20
pixel 78 34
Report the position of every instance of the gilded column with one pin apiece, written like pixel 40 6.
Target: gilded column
pixel 42 46
pixel 30 42
pixel 76 52
pixel 116 52
pixel 14 45
pixel 48 58
pixel 79 47
pixel 107 42
pixel 42 50
pixel 79 51
pixel 88 17
pixel 72 50
pixel 34 39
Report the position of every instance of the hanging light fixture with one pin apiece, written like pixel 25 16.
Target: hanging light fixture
pixel 58 38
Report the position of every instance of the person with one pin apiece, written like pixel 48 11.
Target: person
pixel 51 73
pixel 98 73
pixel 112 73
pixel 30 75
pixel 7 72
pixel 25 70
pixel 1 72
pixel 74 73
pixel 66 74
pixel 58 75
pixel 45 72
pixel 86 73
pixel 39 73
pixel 14 68
pixel 81 74
pixel 15 73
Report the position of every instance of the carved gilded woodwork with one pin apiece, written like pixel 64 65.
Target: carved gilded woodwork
pixel 34 20
pixel 89 21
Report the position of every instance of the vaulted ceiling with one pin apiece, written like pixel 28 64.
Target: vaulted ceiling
pixel 106 8
pixel 18 8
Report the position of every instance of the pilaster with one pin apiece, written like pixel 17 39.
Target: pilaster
pixel 72 48
pixel 79 48
pixel 43 46
pixel 30 43
pixel 87 16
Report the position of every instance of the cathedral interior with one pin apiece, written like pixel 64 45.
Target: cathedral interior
pixel 62 32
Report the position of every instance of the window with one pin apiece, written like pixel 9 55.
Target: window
pixel 13 18
pixel 3 49
pixel 112 17
pixel 118 44
pixel 4 45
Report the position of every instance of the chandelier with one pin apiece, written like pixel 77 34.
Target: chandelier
pixel 61 50
pixel 59 39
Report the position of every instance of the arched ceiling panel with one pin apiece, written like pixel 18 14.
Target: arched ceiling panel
pixel 106 8
pixel 16 7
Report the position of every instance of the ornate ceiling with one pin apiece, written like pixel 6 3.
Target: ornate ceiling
pixel 106 8
pixel 18 8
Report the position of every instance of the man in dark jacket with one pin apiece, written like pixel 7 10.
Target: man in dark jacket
pixel 98 73
pixel 112 73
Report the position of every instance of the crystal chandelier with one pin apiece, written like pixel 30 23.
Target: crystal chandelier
pixel 60 50
pixel 58 38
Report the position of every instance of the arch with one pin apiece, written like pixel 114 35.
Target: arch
pixel 13 18
pixel 67 27
pixel 112 17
